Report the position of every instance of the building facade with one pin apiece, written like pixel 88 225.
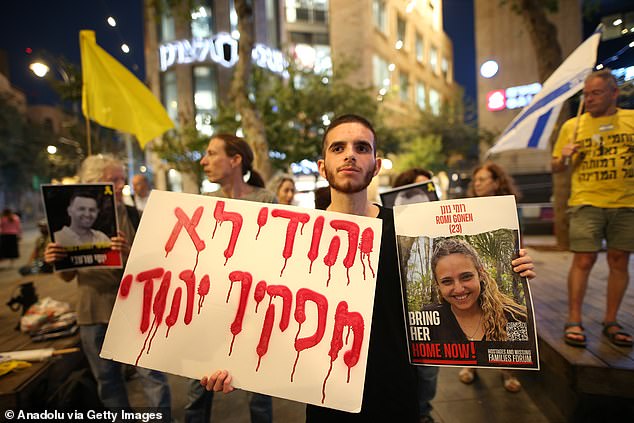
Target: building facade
pixel 399 46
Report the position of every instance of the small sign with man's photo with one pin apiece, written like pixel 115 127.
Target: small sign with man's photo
pixel 82 218
pixel 419 192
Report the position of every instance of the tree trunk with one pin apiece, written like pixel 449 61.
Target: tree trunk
pixel 252 125
pixel 543 35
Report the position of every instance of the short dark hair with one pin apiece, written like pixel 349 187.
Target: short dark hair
pixel 348 118
pixel 83 193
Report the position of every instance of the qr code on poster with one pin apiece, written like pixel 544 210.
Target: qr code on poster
pixel 517 331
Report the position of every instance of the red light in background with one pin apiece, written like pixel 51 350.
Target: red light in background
pixel 28 50
pixel 496 100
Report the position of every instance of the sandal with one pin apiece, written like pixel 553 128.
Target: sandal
pixel 467 375
pixel 612 336
pixel 574 342
pixel 510 382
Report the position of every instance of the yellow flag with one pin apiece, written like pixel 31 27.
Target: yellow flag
pixel 113 97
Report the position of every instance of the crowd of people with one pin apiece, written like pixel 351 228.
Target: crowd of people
pixel 349 162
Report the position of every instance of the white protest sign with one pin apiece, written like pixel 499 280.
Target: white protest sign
pixel 280 296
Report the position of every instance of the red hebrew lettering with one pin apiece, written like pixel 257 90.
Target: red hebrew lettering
pixel 236 220
pixel 353 320
pixel 265 336
pixel 246 279
pixel 291 230
pixel 313 252
pixel 173 316
pixel 262 217
pixel 147 277
pixel 159 306
pixel 203 290
pixel 189 278
pixel 353 239
pixel 331 257
pixel 365 248
pixel 124 289
pixel 190 227
pixel 287 302
pixel 258 294
pixel 303 295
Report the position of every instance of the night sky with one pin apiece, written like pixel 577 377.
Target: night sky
pixel 52 27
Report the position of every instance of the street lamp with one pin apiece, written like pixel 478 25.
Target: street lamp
pixel 51 149
pixel 39 69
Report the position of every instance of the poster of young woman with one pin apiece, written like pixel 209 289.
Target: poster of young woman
pixel 82 218
pixel 464 305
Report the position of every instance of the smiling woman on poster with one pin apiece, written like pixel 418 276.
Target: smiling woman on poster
pixel 472 307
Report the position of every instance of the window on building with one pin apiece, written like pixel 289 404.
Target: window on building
pixel 169 94
pixel 433 59
pixel 444 68
pixel 233 19
pixel 420 48
pixel 403 87
pixel 434 102
pixel 166 25
pixel 202 23
pixel 379 15
pixel 420 96
pixel 401 28
pixel 380 72
pixel 205 97
pixel 272 23
pixel 314 11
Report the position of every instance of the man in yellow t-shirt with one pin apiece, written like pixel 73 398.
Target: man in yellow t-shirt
pixel 600 149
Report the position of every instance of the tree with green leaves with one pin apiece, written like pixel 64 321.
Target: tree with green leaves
pixel 23 156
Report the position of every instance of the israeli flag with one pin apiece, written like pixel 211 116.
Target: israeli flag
pixel 533 126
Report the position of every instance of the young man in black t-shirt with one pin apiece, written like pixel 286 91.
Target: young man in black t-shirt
pixel 349 163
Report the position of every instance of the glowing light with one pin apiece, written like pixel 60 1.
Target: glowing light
pixel 51 149
pixel 391 67
pixel 39 69
pixel 489 69
pixel 324 80
pixel 386 82
pixel 143 169
pixel 239 133
pixel 111 21
pixel 599 66
pixel 617 22
pixel 125 48
pixel 386 164
pixel 398 45
pixel 126 191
